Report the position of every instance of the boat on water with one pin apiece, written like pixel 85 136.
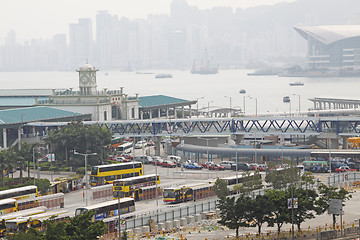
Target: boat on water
pixel 242 91
pixel 286 99
pixel 163 75
pixel 296 84
pixel 144 73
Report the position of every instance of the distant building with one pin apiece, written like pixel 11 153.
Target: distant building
pixel 332 46
pixel 105 105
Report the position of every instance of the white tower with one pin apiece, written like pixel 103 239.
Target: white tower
pixel 87 79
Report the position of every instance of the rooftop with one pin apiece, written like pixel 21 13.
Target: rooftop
pixel 162 100
pixel 329 33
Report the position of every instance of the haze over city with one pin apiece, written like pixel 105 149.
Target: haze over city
pixel 42 18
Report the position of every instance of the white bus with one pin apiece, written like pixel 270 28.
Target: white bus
pixel 125 147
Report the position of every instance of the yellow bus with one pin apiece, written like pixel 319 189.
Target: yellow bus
pixel 108 209
pixel 20 193
pixel 106 174
pixel 14 215
pixel 8 206
pixel 132 187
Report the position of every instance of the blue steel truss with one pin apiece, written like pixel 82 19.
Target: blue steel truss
pixel 230 126
pixel 222 126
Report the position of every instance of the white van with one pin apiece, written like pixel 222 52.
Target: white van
pixel 226 164
pixel 140 144
pixel 175 159
pixel 144 159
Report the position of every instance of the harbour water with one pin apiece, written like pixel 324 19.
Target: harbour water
pixel 268 90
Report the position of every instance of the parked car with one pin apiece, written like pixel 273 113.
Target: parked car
pixel 140 144
pixel 207 164
pixel 144 159
pixel 215 166
pixel 150 143
pixel 261 167
pixel 169 164
pixel 127 156
pixel 120 159
pixel 241 166
pixel 226 164
pixel 344 169
pixel 175 159
pixel 254 166
pixel 158 160
pixel 192 166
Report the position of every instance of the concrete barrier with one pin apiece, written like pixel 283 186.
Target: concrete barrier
pixel 198 217
pixel 203 215
pixel 145 229
pixel 169 224
pixel 183 221
pixel 176 223
pixel 137 231
pixel 190 219
pixel 161 226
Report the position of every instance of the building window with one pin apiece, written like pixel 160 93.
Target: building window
pixel 105 116
pixel 133 113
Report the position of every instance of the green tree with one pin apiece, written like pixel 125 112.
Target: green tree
pixel 251 182
pixel 32 234
pixel 277 200
pixel 24 155
pixel 326 193
pixel 220 188
pixel 307 205
pixel 260 210
pixel 234 214
pixel 307 179
pixel 282 178
pixel 81 138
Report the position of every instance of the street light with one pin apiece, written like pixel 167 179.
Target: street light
pixel 38 148
pixel 197 106
pixel 209 108
pixel 255 105
pixel 207 152
pixel 242 91
pixel 299 102
pixel 86 179
pixel 230 104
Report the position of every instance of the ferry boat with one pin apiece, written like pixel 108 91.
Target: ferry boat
pixel 296 84
pixel 163 75
pixel 242 91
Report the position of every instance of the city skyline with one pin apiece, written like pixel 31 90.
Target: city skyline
pixel 43 19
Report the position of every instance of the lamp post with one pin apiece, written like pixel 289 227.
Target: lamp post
pixel 209 108
pixel 197 106
pixel 255 105
pixel 230 104
pixel 243 92
pixel 38 148
pixel 207 152
pixel 86 179
pixel 299 102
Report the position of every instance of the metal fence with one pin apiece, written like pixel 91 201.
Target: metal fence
pixel 172 214
pixel 343 177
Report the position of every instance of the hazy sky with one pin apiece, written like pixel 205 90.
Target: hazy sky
pixel 44 18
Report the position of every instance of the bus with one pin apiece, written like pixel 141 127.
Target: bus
pixel 20 193
pixel 108 209
pixel 106 174
pixel 35 221
pixel 125 147
pixel 187 193
pixel 316 166
pixel 132 187
pixel 8 206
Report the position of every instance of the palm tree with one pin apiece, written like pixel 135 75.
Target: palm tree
pixel 24 155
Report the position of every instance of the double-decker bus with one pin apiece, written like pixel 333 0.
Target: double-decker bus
pixel 20 193
pixel 8 206
pixel 187 193
pixel 132 187
pixel 35 221
pixel 106 174
pixel 108 209
pixel 14 215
